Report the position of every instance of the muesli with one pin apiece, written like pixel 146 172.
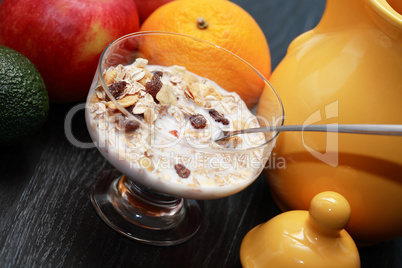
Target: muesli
pixel 176 115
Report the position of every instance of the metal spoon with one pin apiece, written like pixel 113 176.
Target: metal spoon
pixel 372 129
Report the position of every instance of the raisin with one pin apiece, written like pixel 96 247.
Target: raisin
pixel 158 73
pixel 131 126
pixel 182 171
pixel 117 88
pixel 198 121
pixel 130 109
pixel 124 122
pixel 154 86
pixel 218 117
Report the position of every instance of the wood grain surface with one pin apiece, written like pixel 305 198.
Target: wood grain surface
pixel 47 220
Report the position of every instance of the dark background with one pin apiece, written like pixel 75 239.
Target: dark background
pixel 47 220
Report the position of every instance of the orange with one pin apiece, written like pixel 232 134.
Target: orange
pixel 224 24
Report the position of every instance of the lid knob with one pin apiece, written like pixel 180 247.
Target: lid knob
pixel 330 210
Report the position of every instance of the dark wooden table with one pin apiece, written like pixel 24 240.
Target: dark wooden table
pixel 47 220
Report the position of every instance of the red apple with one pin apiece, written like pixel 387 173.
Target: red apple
pixel 65 38
pixel 146 7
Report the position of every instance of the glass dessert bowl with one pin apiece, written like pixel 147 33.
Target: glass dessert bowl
pixel 154 112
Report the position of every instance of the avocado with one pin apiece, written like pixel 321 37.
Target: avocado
pixel 24 103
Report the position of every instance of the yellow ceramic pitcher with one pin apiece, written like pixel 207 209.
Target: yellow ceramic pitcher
pixel 346 70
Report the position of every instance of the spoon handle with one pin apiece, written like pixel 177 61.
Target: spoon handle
pixel 373 129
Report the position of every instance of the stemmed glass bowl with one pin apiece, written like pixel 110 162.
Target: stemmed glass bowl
pixel 162 168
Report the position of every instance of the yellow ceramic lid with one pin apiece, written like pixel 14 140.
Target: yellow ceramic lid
pixel 314 238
